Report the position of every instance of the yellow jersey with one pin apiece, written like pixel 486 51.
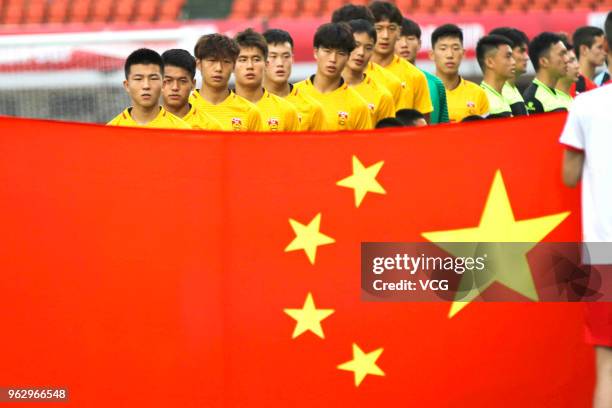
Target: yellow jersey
pixel 163 120
pixel 389 81
pixel 200 120
pixel 414 82
pixel 378 98
pixel 278 115
pixel 343 108
pixel 465 100
pixel 310 111
pixel 234 113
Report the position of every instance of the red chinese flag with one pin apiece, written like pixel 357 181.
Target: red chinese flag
pixel 156 268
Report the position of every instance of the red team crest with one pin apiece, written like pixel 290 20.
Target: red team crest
pixel 273 124
pixel 342 118
pixel 236 123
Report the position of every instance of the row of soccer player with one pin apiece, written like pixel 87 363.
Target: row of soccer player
pixel 365 73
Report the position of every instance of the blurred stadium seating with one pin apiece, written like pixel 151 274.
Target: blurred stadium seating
pixel 323 8
pixel 25 12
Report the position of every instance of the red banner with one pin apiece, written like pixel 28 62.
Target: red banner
pixel 174 268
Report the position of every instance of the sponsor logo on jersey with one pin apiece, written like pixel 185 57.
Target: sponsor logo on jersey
pixel 342 118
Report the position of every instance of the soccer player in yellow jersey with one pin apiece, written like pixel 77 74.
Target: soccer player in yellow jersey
pixel 278 115
pixel 179 81
pixel 388 23
pixel 215 58
pixel 464 98
pixel 381 76
pixel 379 98
pixel 144 71
pixel 343 107
pixel 276 80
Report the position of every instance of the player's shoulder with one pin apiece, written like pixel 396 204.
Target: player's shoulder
pixel 598 95
pixel 411 69
pixel 242 103
pixel 174 121
pixel 121 118
pixel 355 100
pixel 472 86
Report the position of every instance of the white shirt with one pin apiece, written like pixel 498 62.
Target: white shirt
pixel 589 129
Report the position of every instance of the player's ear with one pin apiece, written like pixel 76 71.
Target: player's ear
pixel 419 47
pixel 314 52
pixel 431 54
pixel 125 85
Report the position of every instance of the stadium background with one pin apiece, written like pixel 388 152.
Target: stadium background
pixel 63 59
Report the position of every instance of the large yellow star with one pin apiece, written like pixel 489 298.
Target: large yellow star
pixel 363 364
pixel 308 237
pixel 363 180
pixel 309 318
pixel 508 264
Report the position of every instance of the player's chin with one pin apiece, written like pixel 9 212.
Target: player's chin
pixel 149 102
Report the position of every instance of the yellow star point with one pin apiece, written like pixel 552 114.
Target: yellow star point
pixel 309 318
pixel 363 180
pixel 363 364
pixel 308 237
pixel 509 264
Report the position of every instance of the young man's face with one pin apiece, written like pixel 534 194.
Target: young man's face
pixel 177 86
pixel 216 71
pixel 249 69
pixel 447 55
pixel 573 67
pixel 502 62
pixel 596 54
pixel 360 57
pixel 144 84
pixel 408 47
pixel 330 62
pixel 387 34
pixel 556 60
pixel 521 57
pixel 280 61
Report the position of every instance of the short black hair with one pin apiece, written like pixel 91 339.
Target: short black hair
pixel 408 117
pixel 216 46
pixel 608 30
pixel 143 56
pixel 389 123
pixel 383 10
pixel 446 30
pixel 277 36
pixel 540 45
pixel 472 118
pixel 585 36
pixel 410 28
pixel 250 38
pixel 336 36
pixel 181 59
pixel 363 26
pixel 565 40
pixel 516 36
pixel 487 44
pixel 350 12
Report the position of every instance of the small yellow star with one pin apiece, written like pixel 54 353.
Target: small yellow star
pixel 363 364
pixel 363 180
pixel 308 237
pixel 309 318
pixel 509 265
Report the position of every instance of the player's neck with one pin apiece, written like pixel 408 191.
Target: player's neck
pixel 494 81
pixel 214 95
pixel 143 115
pixel 564 84
pixel 180 112
pixel 587 69
pixel 352 77
pixel 251 94
pixel 326 84
pixel 278 89
pixel 450 81
pixel 513 81
pixel 382 60
pixel 547 79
